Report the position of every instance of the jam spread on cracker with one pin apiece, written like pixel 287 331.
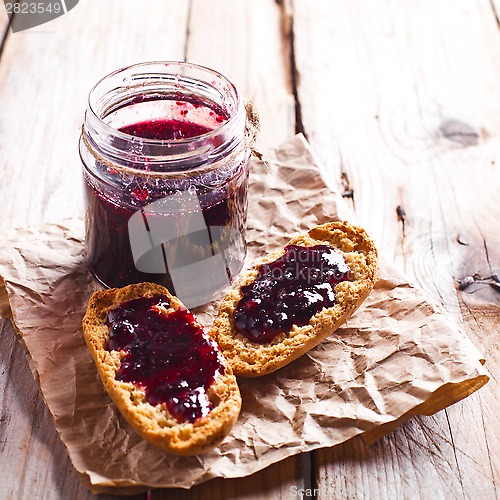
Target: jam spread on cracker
pixel 168 354
pixel 289 291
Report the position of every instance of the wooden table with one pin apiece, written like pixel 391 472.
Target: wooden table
pixel 401 103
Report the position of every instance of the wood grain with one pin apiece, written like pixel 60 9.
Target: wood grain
pixel 277 481
pixel 42 113
pixel 248 42
pixel 401 112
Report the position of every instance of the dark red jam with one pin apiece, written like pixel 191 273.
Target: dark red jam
pixel 222 197
pixel 167 354
pixel 165 130
pixel 290 291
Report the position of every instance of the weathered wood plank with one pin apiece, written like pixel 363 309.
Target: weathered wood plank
pixel 401 110
pixel 44 80
pixel 42 110
pixel 249 43
pixel 279 480
pixel 418 460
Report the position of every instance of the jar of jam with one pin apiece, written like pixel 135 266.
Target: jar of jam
pixel 165 148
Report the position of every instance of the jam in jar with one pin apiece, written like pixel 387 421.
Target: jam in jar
pixel 165 155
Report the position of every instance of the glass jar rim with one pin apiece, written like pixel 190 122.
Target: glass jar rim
pixel 158 142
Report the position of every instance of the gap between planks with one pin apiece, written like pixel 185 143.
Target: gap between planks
pixel 4 27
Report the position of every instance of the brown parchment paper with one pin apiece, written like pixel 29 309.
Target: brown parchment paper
pixel 396 357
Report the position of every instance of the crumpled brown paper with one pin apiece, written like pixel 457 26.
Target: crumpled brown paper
pixel 397 357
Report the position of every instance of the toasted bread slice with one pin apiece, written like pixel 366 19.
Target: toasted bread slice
pixel 250 359
pixel 154 422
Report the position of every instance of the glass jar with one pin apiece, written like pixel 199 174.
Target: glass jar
pixel 165 153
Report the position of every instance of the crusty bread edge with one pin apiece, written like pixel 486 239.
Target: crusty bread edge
pixel 249 359
pixel 173 437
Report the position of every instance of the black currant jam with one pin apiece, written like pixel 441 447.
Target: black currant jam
pixel 167 354
pixel 290 291
pixel 108 246
pixel 167 130
pixel 165 166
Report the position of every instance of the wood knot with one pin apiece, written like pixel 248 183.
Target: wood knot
pixel 460 132
pixel 400 212
pixel 347 190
